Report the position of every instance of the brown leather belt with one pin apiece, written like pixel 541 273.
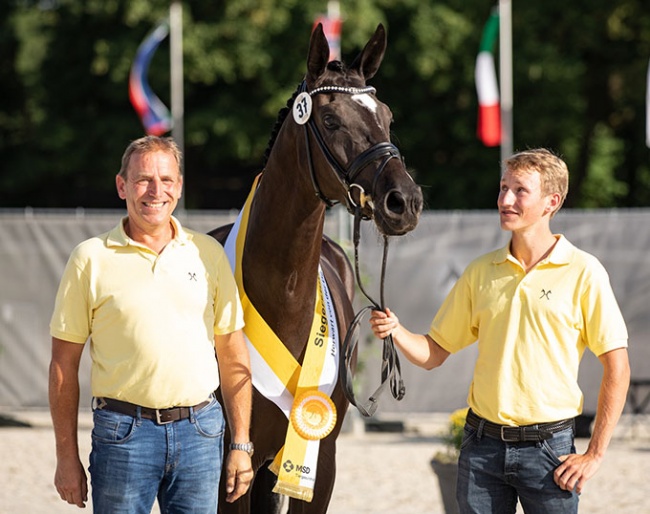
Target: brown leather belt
pixel 528 433
pixel 160 416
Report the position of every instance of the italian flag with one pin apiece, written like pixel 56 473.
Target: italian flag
pixel 489 112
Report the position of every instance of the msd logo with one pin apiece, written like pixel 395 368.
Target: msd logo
pixel 290 466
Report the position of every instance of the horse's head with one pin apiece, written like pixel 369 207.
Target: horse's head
pixel 351 157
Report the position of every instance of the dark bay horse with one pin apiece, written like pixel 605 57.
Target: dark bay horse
pixel 331 144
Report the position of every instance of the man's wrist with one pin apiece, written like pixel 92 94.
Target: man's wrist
pixel 244 447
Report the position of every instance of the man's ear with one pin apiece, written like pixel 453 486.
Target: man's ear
pixel 120 184
pixel 554 203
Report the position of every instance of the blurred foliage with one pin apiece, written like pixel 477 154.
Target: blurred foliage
pixel 453 437
pixel 65 118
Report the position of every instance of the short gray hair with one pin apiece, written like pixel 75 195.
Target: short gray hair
pixel 148 144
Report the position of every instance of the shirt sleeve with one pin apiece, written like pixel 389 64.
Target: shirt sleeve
pixel 228 312
pixel 453 327
pixel 605 328
pixel 71 318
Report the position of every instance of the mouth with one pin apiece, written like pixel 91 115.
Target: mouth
pixel 154 205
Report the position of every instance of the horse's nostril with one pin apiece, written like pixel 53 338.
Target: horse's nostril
pixel 395 202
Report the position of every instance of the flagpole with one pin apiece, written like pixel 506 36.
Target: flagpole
pixel 505 74
pixel 176 66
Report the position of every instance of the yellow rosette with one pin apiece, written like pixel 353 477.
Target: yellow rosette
pixel 313 415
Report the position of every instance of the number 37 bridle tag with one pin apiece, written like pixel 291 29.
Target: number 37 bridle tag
pixel 302 108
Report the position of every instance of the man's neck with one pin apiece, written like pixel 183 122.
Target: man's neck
pixel 530 248
pixel 155 240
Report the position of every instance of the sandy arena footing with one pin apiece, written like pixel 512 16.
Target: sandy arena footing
pixel 377 472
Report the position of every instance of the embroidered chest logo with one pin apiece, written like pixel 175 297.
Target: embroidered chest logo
pixel 545 294
pixel 192 276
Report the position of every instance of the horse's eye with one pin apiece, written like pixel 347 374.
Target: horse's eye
pixel 331 122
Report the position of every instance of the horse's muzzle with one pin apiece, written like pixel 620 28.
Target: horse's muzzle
pixel 398 211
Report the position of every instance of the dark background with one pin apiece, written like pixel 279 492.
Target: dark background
pixel 580 72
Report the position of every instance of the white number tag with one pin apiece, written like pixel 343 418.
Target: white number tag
pixel 302 108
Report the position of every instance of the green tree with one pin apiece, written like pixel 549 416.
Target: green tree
pixel 65 118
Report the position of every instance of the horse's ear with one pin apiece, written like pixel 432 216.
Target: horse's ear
pixel 319 53
pixel 369 60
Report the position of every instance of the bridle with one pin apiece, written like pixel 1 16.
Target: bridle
pixel 385 151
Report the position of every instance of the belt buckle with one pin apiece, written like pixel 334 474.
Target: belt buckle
pixel 503 435
pixel 160 421
pixel 99 403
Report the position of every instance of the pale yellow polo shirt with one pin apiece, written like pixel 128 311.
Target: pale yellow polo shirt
pixel 151 318
pixel 532 330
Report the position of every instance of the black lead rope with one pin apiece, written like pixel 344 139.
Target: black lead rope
pixel 391 372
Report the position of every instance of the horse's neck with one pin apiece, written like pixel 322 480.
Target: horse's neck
pixel 281 255
pixel 285 228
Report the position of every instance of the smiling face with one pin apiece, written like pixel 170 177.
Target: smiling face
pixel 151 187
pixel 522 203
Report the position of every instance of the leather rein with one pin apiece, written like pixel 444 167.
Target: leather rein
pixel 390 369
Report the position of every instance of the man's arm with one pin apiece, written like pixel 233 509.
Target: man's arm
pixel 419 349
pixel 70 478
pixel 236 388
pixel 577 469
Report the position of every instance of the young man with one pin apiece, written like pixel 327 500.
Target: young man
pixel 534 307
pixel 158 304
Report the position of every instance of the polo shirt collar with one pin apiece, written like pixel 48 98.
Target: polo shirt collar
pixel 117 236
pixel 561 253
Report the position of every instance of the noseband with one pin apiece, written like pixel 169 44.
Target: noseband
pixel 381 151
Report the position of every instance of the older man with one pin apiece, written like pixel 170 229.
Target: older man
pixel 158 305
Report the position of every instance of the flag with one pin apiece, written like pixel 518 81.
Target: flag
pixel 154 115
pixel 489 113
pixel 332 30
pixel 647 111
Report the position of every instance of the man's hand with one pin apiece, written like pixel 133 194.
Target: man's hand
pixel 71 482
pixel 383 323
pixel 575 470
pixel 419 349
pixel 239 474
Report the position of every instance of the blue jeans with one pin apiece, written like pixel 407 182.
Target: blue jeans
pixel 493 475
pixel 134 460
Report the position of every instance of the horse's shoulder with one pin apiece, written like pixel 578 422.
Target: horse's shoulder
pixel 221 233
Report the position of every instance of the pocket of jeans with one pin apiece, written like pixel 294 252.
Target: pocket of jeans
pixel 560 444
pixel 469 434
pixel 209 420
pixel 111 427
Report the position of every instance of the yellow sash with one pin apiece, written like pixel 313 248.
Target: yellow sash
pixel 301 392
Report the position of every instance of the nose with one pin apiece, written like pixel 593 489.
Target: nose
pixel 505 197
pixel 395 203
pixel 155 186
pixel 399 210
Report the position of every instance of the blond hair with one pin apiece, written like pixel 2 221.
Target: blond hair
pixel 553 171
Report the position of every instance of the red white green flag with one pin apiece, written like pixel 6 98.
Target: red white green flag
pixel 489 111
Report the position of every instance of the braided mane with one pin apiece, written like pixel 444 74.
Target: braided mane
pixel 282 114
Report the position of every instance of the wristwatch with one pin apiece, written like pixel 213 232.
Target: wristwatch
pixel 245 447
